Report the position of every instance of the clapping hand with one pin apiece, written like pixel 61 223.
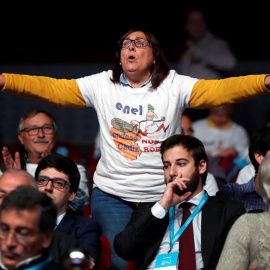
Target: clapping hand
pixel 9 162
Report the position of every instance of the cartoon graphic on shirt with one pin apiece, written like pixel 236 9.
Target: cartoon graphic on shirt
pixel 150 125
pixel 126 135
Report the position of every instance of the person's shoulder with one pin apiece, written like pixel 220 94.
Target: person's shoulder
pixel 174 76
pixel 199 122
pixel 61 237
pixel 225 202
pixel 210 36
pixel 100 77
pixel 229 186
pixel 255 219
pixel 82 220
pixel 228 190
pixel 239 127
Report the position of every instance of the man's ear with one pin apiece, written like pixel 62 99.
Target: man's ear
pixel 202 166
pixel 72 196
pixel 47 239
pixel 259 157
pixel 20 138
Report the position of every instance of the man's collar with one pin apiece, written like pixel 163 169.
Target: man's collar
pixel 210 123
pixel 195 200
pixel 59 218
pixel 26 262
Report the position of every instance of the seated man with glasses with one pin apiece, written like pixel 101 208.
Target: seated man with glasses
pixel 58 177
pixel 27 221
pixel 61 243
pixel 37 133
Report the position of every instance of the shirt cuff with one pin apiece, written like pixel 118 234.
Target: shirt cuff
pixel 158 211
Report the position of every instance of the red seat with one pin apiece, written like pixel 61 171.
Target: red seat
pixel 105 260
pixel 131 265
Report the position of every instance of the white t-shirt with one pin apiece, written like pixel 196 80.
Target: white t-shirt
pixel 235 136
pixel 130 166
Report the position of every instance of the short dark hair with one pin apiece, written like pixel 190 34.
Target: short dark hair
pixel 62 164
pixel 29 198
pixel 191 144
pixel 259 143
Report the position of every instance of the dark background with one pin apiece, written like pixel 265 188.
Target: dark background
pixel 75 39
pixel 50 32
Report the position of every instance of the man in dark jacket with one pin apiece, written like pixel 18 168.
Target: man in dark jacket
pixel 149 238
pixel 27 221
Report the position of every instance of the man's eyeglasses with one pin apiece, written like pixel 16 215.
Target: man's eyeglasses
pixel 57 183
pixel 139 42
pixel 21 234
pixel 46 129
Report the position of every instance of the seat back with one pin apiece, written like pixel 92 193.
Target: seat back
pixel 105 260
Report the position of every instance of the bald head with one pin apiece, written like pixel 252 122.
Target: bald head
pixel 13 178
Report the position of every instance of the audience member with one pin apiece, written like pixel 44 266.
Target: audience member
pixel 248 171
pixel 247 243
pixel 149 234
pixel 27 221
pixel 141 83
pixel 58 176
pixel 186 125
pixel 211 185
pixel 13 178
pixel 249 193
pixel 205 55
pixel 37 134
pixel 224 140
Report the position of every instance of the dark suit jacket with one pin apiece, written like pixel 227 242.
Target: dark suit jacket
pixel 61 245
pixel 144 233
pixel 86 230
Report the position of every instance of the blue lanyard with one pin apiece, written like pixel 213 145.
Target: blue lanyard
pixel 174 237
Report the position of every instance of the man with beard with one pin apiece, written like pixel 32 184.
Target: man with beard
pixel 152 236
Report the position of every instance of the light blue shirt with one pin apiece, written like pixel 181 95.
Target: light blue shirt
pixel 125 82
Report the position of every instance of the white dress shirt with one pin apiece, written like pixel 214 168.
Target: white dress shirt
pixel 159 212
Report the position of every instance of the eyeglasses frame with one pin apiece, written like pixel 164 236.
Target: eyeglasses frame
pixel 149 43
pixel 28 129
pixel 66 183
